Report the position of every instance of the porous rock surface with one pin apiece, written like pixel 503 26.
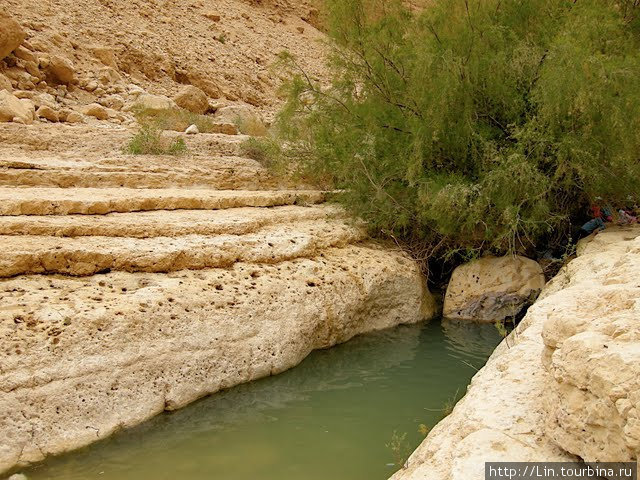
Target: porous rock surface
pixel 130 285
pixel 564 385
pixel 491 289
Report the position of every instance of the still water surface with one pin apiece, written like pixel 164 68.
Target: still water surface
pixel 329 418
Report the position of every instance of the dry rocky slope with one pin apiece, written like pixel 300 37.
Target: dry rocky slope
pixel 564 386
pixel 119 302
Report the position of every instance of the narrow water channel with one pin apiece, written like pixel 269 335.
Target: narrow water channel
pixel 331 417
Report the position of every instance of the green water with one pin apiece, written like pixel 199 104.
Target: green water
pixel 329 418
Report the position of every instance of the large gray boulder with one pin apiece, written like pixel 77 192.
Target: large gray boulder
pixel 491 289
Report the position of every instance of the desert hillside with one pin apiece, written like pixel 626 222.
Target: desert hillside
pixel 227 48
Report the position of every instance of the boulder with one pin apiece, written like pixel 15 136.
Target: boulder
pixel 11 35
pixel 61 70
pixel 151 102
pixel 48 113
pixel 14 109
pixel 247 121
pixel 5 83
pixel 492 289
pixel 193 99
pixel 106 55
pixel 26 55
pixel 95 110
pixel 74 117
pixel 114 101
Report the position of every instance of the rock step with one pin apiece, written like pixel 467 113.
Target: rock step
pixel 224 173
pixel 90 255
pixel 83 140
pixel 160 223
pixel 89 201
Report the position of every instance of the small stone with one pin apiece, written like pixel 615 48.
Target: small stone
pixel 5 83
pixel 114 101
pixel 91 86
pixel 74 117
pixel 48 113
pixel 32 69
pixel 300 29
pixel 95 110
pixel 214 17
pixel 105 55
pixel 24 54
pixel 192 130
pixel 61 69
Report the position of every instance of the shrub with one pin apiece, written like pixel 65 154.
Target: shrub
pixel 474 125
pixel 149 141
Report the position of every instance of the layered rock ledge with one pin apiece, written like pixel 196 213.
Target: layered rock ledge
pixel 132 285
pixel 564 386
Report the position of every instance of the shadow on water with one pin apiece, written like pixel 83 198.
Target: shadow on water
pixel 330 417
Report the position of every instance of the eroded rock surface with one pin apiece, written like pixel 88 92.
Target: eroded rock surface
pixel 130 285
pixel 491 289
pixel 564 385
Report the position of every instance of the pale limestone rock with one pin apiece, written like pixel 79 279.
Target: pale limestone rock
pixel 5 83
pixel 91 86
pixel 95 110
pixel 564 385
pixel 192 130
pixel 592 351
pixel 193 99
pixel 48 113
pixel 245 118
pixel 154 102
pixel 26 55
pixel 106 55
pixel 18 476
pixel 61 69
pixel 136 337
pixel 12 108
pixel 74 117
pixel 224 128
pixel 491 289
pixel 11 35
pixel 114 349
pixel 114 101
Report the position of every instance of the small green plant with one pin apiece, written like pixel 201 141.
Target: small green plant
pixel 501 328
pixel 263 150
pixel 221 38
pixel 400 448
pixel 448 406
pixel 149 141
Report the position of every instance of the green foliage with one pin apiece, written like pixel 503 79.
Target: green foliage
pixel 400 449
pixel 149 141
pixel 475 125
pixel 264 150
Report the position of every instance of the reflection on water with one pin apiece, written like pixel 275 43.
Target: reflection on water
pixel 330 417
